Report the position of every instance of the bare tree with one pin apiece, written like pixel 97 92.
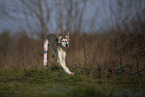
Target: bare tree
pixel 70 14
pixel 39 10
pixel 32 14
pixel 121 12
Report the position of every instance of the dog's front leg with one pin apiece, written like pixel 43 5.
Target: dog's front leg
pixel 61 60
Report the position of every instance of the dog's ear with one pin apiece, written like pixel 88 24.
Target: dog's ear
pixel 59 38
pixel 66 33
pixel 67 36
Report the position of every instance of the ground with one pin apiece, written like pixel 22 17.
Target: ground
pixel 50 82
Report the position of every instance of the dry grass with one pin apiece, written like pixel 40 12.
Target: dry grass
pixel 105 52
pixel 105 64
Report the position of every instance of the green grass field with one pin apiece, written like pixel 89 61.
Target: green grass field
pixel 54 82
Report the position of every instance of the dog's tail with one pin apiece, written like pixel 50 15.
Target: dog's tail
pixel 45 47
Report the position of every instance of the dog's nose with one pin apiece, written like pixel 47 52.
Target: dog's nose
pixel 66 45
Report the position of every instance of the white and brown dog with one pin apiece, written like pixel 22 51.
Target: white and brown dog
pixel 58 47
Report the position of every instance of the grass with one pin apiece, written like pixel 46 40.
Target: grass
pixel 105 65
pixel 54 82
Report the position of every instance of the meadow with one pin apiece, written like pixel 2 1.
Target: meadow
pixel 54 82
pixel 105 65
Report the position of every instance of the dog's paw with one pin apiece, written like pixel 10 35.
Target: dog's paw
pixel 72 73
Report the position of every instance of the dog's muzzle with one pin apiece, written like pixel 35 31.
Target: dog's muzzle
pixel 67 45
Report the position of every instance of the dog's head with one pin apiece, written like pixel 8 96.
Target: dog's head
pixel 64 40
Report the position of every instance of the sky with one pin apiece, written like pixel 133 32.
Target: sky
pixel 92 22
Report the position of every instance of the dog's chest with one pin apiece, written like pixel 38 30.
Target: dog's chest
pixel 61 52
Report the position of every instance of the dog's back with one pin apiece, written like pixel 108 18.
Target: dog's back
pixel 53 43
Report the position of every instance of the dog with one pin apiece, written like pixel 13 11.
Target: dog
pixel 58 47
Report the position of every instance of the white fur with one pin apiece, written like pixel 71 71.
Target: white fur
pixel 61 60
pixel 45 49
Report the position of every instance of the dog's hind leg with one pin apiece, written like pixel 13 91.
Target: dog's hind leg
pixel 45 46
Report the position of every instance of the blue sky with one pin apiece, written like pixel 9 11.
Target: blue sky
pixel 91 22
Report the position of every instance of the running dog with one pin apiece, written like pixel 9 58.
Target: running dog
pixel 58 47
